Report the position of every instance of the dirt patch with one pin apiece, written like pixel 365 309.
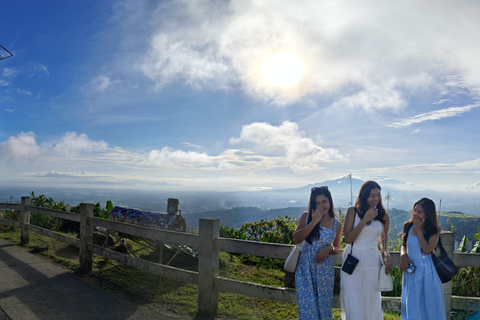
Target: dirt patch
pixel 67 252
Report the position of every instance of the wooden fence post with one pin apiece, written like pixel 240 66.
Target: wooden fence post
pixel 86 237
pixel 448 244
pixel 2 216
pixel 208 256
pixel 24 221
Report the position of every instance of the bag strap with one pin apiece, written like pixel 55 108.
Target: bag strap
pixel 384 239
pixel 384 245
pixel 351 247
pixel 439 244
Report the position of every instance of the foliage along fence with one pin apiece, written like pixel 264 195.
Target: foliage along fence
pixel 209 244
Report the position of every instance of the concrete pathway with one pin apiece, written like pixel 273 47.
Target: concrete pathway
pixel 31 288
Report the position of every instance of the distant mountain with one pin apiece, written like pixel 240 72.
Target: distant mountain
pixel 236 217
pixel 344 191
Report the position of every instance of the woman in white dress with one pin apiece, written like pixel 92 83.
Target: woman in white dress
pixel 364 226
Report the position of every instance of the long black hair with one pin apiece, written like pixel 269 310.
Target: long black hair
pixel 312 206
pixel 430 224
pixel 362 206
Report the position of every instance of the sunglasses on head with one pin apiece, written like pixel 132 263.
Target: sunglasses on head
pixel 320 188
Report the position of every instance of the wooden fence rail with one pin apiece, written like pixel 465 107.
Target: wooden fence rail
pixel 209 244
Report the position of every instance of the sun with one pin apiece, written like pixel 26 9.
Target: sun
pixel 283 69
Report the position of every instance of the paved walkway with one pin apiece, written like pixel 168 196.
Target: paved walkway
pixel 31 288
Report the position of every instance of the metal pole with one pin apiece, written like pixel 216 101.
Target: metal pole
pixel 351 194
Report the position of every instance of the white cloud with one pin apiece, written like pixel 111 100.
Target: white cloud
pixel 98 84
pixel 168 154
pixel 433 115
pixel 9 72
pixel 475 186
pixel 288 142
pixel 23 92
pixel 225 165
pixel 24 146
pixel 60 174
pixel 379 53
pixel 73 144
pixel 441 101
pixel 40 70
pixel 375 97
pixel 21 147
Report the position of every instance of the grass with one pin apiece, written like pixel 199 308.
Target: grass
pixel 146 289
pixel 456 215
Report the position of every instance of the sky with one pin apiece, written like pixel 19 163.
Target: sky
pixel 239 95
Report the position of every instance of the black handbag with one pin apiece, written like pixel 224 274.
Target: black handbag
pixel 350 263
pixel 446 269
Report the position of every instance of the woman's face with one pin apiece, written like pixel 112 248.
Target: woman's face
pixel 418 212
pixel 374 198
pixel 322 202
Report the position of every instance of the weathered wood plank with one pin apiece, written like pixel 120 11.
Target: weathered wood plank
pixel 255 248
pixel 158 269
pixel 466 259
pixel 466 303
pixel 12 223
pixel 55 213
pixel 256 290
pixel 393 304
pixel 166 236
pixel 55 235
pixel 12 206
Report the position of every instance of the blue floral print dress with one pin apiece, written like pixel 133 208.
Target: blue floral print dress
pixel 314 281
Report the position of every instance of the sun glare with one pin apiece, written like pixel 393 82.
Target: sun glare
pixel 283 69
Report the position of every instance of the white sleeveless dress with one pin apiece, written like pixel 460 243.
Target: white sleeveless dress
pixel 359 295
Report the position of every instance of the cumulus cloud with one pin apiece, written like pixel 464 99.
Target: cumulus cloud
pixel 289 142
pixel 433 115
pixel 380 53
pixel 73 144
pixel 23 146
pixel 168 154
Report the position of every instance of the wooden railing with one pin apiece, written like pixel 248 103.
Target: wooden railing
pixel 209 245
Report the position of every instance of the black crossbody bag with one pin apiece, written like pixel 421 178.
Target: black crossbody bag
pixel 350 263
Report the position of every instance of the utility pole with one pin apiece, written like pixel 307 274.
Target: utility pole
pixel 351 194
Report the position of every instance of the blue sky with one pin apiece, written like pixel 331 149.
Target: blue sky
pixel 239 95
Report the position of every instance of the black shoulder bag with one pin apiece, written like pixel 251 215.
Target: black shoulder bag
pixel 446 269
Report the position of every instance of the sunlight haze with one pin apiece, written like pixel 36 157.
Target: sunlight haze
pixel 240 95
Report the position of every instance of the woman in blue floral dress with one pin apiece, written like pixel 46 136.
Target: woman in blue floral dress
pixel 321 234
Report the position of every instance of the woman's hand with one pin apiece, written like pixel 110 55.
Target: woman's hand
pixel 318 214
pixel 418 223
pixel 404 262
pixel 323 254
pixel 370 214
pixel 387 260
